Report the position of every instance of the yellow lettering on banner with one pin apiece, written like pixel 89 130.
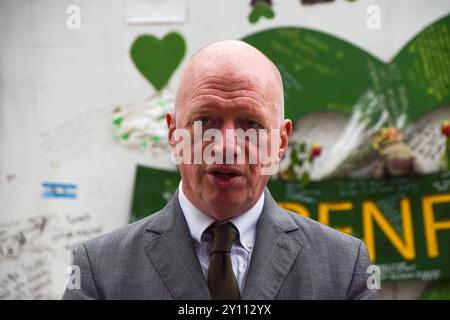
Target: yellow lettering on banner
pixel 294 206
pixel 324 213
pixel 404 246
pixel 430 225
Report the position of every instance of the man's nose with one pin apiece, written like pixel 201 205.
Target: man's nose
pixel 228 147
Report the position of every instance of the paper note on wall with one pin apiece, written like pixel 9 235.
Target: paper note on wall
pixel 155 11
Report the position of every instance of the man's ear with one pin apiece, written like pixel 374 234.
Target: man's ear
pixel 285 132
pixel 171 125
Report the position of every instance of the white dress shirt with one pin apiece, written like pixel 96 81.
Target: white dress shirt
pixel 241 250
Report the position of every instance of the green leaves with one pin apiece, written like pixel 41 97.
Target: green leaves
pixel 301 160
pixel 298 154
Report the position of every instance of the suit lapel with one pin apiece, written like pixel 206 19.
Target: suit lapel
pixel 172 253
pixel 274 253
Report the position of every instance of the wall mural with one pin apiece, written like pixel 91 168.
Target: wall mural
pixel 369 155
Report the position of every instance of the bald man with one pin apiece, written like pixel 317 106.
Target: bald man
pixel 222 236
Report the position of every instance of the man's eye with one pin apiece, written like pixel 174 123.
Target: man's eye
pixel 250 124
pixel 205 121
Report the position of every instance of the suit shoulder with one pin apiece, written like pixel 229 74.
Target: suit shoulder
pixel 123 236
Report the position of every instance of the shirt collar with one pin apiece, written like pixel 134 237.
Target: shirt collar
pixel 198 222
pixel 246 224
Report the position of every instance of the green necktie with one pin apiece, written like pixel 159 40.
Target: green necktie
pixel 222 282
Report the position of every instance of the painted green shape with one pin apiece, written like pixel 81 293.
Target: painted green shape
pixel 261 9
pixel 321 72
pixel 157 59
pixel 437 290
pixel 117 121
pixel 126 136
pixel 424 68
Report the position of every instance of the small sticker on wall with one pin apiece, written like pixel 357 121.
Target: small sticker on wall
pixel 59 190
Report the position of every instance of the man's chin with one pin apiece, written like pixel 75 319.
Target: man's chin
pixel 229 200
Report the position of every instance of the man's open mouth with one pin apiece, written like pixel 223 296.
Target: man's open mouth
pixel 224 174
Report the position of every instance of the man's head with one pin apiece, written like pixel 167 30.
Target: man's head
pixel 228 85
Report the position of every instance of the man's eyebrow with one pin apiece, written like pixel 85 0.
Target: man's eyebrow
pixel 203 110
pixel 191 115
pixel 206 108
pixel 244 115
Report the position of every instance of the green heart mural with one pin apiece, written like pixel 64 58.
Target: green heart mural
pixel 157 59
pixel 261 9
pixel 322 72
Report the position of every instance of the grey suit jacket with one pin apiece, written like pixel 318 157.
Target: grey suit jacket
pixel 154 258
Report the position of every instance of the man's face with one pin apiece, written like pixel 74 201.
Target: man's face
pixel 228 103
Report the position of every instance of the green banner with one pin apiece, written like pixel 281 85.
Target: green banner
pixel 405 222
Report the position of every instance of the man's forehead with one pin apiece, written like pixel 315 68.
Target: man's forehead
pixel 211 104
pixel 232 77
pixel 230 72
pixel 228 92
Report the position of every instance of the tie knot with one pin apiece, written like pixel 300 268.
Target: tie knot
pixel 224 235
